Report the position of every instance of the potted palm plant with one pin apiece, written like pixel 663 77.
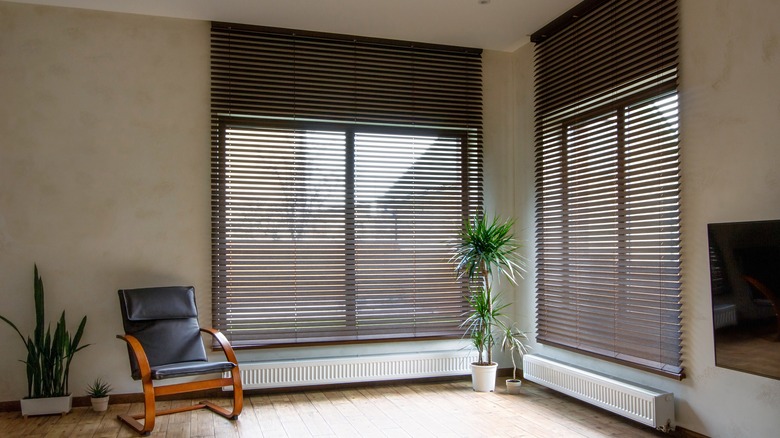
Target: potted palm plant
pixel 486 251
pixel 49 356
pixel 512 341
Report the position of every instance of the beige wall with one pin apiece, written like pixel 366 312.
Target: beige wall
pixel 104 180
pixel 104 172
pixel 730 143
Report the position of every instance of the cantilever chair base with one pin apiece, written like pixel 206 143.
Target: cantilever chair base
pixel 132 420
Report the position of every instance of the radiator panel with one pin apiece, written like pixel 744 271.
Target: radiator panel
pixel 282 374
pixel 646 405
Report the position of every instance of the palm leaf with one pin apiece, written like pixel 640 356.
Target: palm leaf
pixel 485 250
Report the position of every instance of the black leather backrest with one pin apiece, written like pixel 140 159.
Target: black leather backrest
pixel 165 322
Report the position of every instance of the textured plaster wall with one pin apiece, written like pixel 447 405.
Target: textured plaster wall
pixel 730 156
pixel 508 158
pixel 730 107
pixel 103 172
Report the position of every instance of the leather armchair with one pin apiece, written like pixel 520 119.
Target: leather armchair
pixel 164 341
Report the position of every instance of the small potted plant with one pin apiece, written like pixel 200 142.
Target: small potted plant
pixel 513 342
pixel 49 356
pixel 98 392
pixel 485 251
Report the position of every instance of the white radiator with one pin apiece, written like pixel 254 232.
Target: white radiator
pixel 280 374
pixel 648 406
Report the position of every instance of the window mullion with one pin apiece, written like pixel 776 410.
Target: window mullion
pixel 565 222
pixel 622 276
pixel 350 286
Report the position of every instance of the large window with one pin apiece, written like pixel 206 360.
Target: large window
pixel 342 171
pixel 608 185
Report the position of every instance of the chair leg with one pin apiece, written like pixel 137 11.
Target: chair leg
pixel 238 393
pixel 218 409
pixel 238 399
pixel 149 412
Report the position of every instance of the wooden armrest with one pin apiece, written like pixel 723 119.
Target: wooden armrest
pixel 230 355
pixel 140 356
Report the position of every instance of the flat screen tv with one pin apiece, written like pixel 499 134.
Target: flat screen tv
pixel 745 285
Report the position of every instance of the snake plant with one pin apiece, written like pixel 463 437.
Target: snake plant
pixel 49 355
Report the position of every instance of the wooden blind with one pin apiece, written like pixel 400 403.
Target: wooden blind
pixel 607 166
pixel 342 169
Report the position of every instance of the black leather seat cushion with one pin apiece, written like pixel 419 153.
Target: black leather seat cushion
pixel 191 368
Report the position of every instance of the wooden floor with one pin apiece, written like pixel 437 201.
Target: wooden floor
pixel 444 409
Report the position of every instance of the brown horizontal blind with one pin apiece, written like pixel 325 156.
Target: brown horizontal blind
pixel 303 75
pixel 608 262
pixel 408 209
pixel 342 168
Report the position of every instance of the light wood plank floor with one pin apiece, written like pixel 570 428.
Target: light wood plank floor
pixel 443 409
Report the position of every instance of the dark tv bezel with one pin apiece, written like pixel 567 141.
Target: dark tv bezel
pixel 718 227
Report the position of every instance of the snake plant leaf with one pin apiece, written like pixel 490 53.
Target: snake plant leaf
pixel 74 344
pixel 14 327
pixel 38 297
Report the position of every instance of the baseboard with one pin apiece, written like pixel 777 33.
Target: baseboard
pixel 77 402
pixel 115 399
pixel 10 406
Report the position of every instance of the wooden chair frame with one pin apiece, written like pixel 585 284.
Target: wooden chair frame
pixel 151 392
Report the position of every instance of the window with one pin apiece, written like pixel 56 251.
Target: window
pixel 608 259
pixel 342 170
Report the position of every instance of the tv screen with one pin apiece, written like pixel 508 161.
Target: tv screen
pixel 745 286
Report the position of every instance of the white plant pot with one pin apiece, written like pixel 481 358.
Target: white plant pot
pixel 46 406
pixel 99 404
pixel 483 377
pixel 513 386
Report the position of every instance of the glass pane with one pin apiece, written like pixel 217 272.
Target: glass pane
pixel 408 207
pixel 285 231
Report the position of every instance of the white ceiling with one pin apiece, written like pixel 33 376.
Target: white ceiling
pixel 498 25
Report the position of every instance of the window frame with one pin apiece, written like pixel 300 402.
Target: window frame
pixel 280 75
pixel 604 57
pixel 219 258
pixel 619 108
